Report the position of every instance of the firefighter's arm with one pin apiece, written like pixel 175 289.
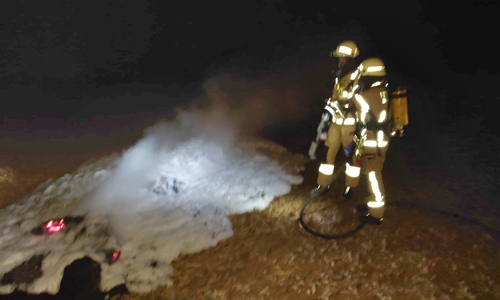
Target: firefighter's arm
pixel 321 132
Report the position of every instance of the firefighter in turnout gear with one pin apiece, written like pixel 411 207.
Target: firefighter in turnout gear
pixel 340 117
pixel 372 99
pixel 361 116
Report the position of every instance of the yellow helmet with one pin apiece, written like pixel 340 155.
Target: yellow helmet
pixel 346 49
pixel 372 66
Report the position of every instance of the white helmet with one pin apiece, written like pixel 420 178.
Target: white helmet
pixel 346 49
pixel 372 66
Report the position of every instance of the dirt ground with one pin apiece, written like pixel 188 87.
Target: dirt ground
pixel 413 254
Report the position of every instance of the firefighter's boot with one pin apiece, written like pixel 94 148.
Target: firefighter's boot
pixel 319 190
pixel 348 193
pixel 369 219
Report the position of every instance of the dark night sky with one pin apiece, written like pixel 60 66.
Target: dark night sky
pixel 67 47
pixel 103 40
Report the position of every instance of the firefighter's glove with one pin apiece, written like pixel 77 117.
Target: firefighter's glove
pixel 324 131
pixel 349 150
pixel 324 126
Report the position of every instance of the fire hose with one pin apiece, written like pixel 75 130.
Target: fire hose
pixel 316 196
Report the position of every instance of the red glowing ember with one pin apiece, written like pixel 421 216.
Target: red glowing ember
pixel 112 256
pixel 115 256
pixel 54 226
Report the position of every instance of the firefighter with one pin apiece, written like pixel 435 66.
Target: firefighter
pixel 359 110
pixel 372 100
pixel 342 114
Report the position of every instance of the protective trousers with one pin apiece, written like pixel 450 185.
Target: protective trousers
pixel 339 135
pixel 372 163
